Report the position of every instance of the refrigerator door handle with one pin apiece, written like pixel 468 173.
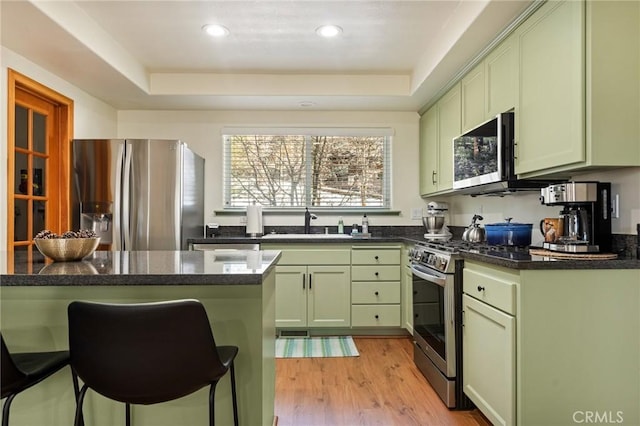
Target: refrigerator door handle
pixel 117 217
pixel 126 216
pixel 179 190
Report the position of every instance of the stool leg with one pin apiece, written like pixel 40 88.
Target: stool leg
pixel 76 391
pixel 5 410
pixel 78 421
pixel 127 414
pixel 212 394
pixel 233 395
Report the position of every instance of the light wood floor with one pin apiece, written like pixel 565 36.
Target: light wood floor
pixel 380 387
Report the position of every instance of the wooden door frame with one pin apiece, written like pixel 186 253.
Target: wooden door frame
pixel 62 140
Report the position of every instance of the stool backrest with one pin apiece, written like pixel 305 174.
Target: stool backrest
pixel 143 353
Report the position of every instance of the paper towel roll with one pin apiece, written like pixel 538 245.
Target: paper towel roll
pixel 254 220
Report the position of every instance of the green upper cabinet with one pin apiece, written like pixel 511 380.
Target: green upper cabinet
pixel 550 114
pixel 429 151
pixel 501 78
pixel 579 91
pixel 490 88
pixel 438 126
pixel 472 89
pixel 449 124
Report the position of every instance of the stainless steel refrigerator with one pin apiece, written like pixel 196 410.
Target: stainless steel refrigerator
pixel 138 194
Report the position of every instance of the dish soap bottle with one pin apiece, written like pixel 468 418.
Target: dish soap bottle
pixel 340 226
pixel 365 224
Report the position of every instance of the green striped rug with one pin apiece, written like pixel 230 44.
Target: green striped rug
pixel 315 347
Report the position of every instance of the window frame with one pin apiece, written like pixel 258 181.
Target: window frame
pixel 308 133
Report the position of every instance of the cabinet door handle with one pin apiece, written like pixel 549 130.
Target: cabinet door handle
pixel 480 288
pixel 376 293
pixel 309 281
pixel 376 258
pixel 376 274
pixel 377 316
pixel 304 280
pixel 433 177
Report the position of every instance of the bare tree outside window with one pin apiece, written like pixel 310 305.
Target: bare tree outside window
pixel 303 170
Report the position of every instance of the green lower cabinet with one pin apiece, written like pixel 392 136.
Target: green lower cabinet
pixel 489 342
pixel 375 315
pixel 552 347
pixel 407 298
pixel 338 287
pixel 375 286
pixel 313 296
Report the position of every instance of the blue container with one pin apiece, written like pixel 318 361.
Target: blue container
pixel 509 234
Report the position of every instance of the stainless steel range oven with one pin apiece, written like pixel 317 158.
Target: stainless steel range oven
pixel 437 318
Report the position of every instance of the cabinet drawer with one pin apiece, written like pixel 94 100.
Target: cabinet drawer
pixel 375 273
pixel 375 256
pixel 375 292
pixel 315 257
pixel 497 291
pixel 375 316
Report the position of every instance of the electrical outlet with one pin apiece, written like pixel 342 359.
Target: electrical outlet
pixel 416 213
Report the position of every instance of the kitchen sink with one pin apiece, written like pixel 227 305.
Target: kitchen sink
pixel 303 236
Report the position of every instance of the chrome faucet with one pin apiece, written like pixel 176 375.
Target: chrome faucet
pixel 307 220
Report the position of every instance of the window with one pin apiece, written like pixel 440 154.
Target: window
pixel 321 168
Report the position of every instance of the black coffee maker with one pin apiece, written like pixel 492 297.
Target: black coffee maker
pixel 586 216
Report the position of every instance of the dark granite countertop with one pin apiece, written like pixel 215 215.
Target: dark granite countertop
pixel 297 238
pixel 516 260
pixel 520 260
pixel 215 267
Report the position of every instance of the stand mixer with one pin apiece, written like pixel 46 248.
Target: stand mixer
pixel 435 222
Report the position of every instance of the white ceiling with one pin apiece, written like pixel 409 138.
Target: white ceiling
pixel 392 55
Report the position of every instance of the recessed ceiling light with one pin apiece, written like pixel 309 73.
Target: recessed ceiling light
pixel 328 30
pixel 215 30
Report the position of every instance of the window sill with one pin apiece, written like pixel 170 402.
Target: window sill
pixel 319 210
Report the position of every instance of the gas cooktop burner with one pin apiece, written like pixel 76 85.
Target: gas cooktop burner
pixel 456 246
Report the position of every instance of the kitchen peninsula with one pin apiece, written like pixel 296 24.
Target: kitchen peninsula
pixel 235 286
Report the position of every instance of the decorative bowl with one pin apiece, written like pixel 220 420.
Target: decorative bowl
pixel 69 268
pixel 67 249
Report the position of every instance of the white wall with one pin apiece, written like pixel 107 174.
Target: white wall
pixel 626 184
pixel 92 117
pixel 201 130
pixel 526 207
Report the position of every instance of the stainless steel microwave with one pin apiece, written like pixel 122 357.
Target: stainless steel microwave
pixel 478 154
pixel 484 162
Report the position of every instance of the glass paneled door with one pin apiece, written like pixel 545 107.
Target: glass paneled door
pixel 34 121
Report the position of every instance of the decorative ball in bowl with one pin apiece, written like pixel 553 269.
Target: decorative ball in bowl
pixel 70 246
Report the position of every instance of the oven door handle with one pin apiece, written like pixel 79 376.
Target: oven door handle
pixel 425 275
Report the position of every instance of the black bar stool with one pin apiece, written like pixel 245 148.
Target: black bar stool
pixel 20 371
pixel 147 353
